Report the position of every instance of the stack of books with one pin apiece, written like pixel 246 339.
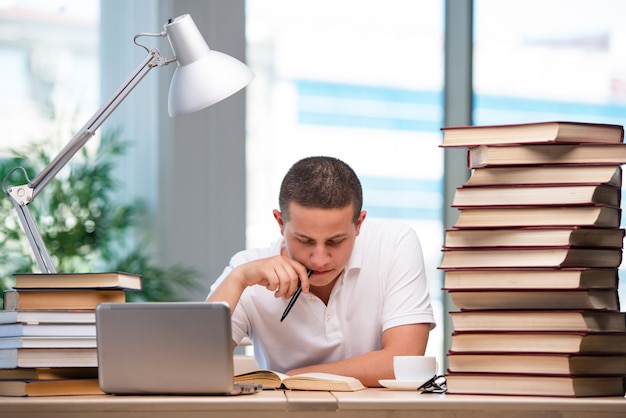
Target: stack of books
pixel 48 331
pixel 532 261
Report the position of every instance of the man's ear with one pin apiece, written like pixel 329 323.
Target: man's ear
pixel 360 220
pixel 279 218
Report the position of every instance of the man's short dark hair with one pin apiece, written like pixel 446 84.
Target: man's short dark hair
pixel 322 183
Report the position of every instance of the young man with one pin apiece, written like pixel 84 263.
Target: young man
pixel 365 301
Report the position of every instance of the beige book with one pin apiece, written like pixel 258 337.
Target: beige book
pixel 593 215
pixel 482 196
pixel 539 342
pixel 50 387
pixel 536 299
pixel 530 279
pixel 542 257
pixel 78 280
pixel 534 385
pixel 552 154
pixel 306 381
pixel 534 237
pixel 534 320
pixel 538 132
pixel 538 363
pixel 535 175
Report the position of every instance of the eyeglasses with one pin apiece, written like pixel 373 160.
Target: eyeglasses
pixel 435 385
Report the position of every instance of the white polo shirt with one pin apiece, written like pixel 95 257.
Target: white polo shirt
pixel 384 285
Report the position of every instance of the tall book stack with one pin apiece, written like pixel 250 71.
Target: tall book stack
pixel 48 331
pixel 532 261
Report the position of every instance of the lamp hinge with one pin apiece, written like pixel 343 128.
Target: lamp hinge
pixel 23 194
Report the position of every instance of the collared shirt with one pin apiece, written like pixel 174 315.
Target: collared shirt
pixel 383 286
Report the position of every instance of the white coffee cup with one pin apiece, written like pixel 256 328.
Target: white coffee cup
pixel 414 368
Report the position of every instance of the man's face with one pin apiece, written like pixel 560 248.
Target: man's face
pixel 320 239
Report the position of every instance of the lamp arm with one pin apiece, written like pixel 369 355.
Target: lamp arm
pixel 34 238
pixel 21 196
pixel 88 130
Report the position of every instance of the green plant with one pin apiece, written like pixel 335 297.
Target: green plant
pixel 83 226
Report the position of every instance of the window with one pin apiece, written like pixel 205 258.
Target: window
pixel 556 60
pixel 362 83
pixel 50 66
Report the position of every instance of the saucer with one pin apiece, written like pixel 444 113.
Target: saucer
pixel 401 384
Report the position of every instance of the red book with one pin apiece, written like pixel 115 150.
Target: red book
pixel 538 363
pixel 539 342
pixel 517 257
pixel 588 299
pixel 552 154
pixel 534 385
pixel 539 320
pixel 538 132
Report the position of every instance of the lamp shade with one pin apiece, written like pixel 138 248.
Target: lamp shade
pixel 203 76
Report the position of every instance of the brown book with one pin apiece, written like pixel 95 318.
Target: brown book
pixel 50 387
pixel 306 381
pixel 499 156
pixel 487 196
pixel 48 357
pixel 531 278
pixel 535 236
pixel 536 320
pixel 535 175
pixel 49 373
pixel 538 363
pixel 596 216
pixel 60 299
pixel 539 342
pixel 592 299
pixel 78 280
pixel 539 132
pixel 513 257
pixel 533 385
pixel 48 381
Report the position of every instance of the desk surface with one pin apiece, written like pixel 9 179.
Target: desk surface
pixel 361 404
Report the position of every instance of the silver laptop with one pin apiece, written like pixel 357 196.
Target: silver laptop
pixel 166 348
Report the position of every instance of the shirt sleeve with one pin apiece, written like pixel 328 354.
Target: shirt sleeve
pixel 238 318
pixel 406 294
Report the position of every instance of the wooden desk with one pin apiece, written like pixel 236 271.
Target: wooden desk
pixel 276 404
pixel 264 404
pixel 380 402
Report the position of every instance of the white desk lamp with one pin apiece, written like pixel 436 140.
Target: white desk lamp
pixel 203 77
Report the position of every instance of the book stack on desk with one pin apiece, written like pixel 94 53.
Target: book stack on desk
pixel 48 331
pixel 532 262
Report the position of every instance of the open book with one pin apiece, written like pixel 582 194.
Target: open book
pixel 306 381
